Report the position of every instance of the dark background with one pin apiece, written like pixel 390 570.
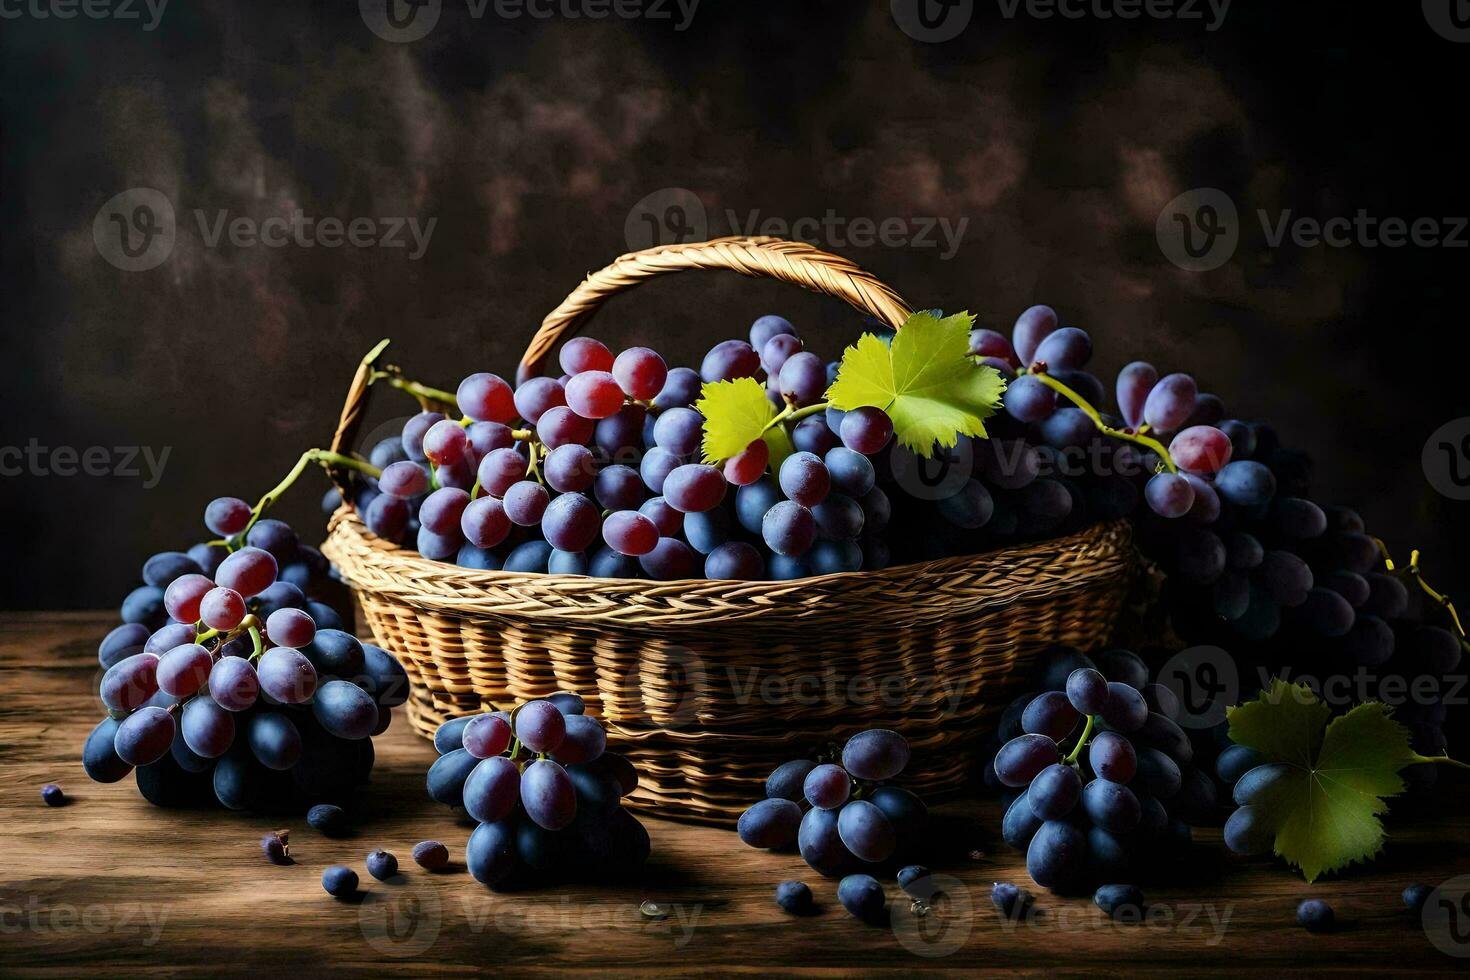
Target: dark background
pixel 531 141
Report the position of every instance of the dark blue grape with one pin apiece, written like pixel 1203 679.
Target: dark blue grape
pixel 820 844
pixel 345 710
pixel 447 776
pixel 794 897
pixel 866 831
pixel 381 864
pixel 1020 823
pixel 1120 901
pixel 786 782
pixel 1315 915
pixel 1111 806
pixel 1057 854
pixel 862 896
pixel 771 823
pixel 327 819
pixel 1054 792
pixel 339 881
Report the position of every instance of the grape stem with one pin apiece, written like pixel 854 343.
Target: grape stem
pixel 1413 572
pixel 791 414
pixel 324 456
pixel 1072 756
pixel 1148 442
pixel 1416 758
pixel 256 646
pixel 427 396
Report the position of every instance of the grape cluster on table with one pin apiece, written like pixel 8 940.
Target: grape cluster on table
pixel 1114 807
pixel 200 715
pixel 545 792
pixel 846 817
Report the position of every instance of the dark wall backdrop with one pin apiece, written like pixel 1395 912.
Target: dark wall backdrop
pixel 531 141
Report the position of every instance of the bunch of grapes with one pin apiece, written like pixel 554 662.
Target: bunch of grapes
pixel 1253 564
pixel 844 816
pixel 1102 781
pixel 545 791
pixel 227 682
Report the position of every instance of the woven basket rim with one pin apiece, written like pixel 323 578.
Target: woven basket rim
pixel 916 591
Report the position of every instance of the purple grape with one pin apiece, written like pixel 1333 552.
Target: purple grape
pixel 571 522
pixel 803 379
pixel 729 360
pixel 225 516
pixel 1112 757
pixel 144 736
pixel 536 396
pixel 233 684
pixel 1028 400
pixel 525 503
pixel 656 466
pixel 876 754
pixel 492 789
pixel 866 831
pixel 130 682
pixel 679 430
pixel 681 390
pixel 286 675
pixel 540 726
pixel 547 794
pixel 804 478
pixel 827 786
pixel 1020 759
pixel 1170 402
pixel 1032 327
pixel 404 480
pixel 694 488
pixel 1067 349
pixel 568 468
pixel 1087 690
pixel 618 488
pixel 788 528
pixel 1050 714
pixel 485 521
pixel 1169 494
pixel 485 736
pixel 670 560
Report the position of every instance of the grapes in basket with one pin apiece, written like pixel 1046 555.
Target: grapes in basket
pixel 228 683
pixel 545 793
pixel 844 815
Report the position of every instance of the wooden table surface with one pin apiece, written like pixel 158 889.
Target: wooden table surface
pixel 111 885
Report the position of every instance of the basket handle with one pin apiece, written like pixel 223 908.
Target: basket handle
pixel 794 262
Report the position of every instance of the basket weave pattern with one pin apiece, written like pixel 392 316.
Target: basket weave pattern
pixel 708 685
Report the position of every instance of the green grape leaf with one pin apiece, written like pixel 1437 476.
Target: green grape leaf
pixel 1327 816
pixel 925 381
pixel 736 414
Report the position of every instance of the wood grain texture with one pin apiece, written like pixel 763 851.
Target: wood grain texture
pixel 111 885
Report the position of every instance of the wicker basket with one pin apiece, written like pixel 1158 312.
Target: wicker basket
pixel 707 685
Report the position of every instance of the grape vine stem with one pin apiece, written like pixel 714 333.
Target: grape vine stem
pixel 1413 572
pixel 324 456
pixel 791 414
pixel 1076 752
pixel 1138 438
